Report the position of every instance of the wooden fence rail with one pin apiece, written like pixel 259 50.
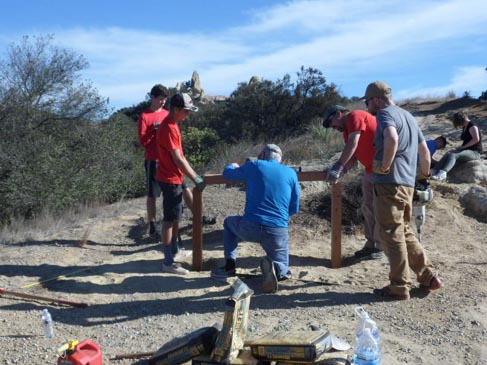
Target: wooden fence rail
pixel 336 216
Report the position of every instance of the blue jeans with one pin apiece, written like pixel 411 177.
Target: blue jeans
pixel 274 241
pixel 450 158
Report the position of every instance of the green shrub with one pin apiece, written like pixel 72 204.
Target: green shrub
pixel 199 146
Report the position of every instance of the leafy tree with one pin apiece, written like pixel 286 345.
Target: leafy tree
pixel 267 110
pixel 50 134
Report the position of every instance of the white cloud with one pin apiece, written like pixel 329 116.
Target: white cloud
pixel 471 79
pixel 351 42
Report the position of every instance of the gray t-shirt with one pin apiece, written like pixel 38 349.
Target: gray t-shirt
pixel 403 169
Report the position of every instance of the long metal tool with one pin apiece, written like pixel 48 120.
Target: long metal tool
pixel 38 297
pixel 59 277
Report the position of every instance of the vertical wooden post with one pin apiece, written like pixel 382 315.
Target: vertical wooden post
pixel 336 225
pixel 197 231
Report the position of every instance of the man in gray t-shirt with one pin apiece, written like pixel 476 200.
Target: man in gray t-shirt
pixel 398 140
pixel 403 168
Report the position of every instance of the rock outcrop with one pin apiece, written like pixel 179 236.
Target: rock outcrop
pixel 192 87
pixel 471 172
pixel 475 202
pixel 254 80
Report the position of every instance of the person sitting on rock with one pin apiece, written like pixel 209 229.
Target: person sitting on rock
pixel 271 197
pixel 434 145
pixel 471 148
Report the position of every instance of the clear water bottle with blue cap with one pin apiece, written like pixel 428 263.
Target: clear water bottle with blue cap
pixel 366 350
pixel 365 321
pixel 369 354
pixel 47 322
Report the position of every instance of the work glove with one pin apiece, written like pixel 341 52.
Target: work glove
pixel 377 168
pixel 199 182
pixel 422 177
pixel 335 172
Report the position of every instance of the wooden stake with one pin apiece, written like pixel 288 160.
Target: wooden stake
pixel 197 230
pixel 336 225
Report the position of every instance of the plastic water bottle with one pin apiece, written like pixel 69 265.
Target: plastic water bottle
pixel 366 322
pixel 371 353
pixel 47 322
pixel 366 350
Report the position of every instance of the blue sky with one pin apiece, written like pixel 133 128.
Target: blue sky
pixel 421 48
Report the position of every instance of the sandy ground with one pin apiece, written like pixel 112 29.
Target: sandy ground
pixel 134 307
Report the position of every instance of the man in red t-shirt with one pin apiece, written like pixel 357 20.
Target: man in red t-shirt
pixel 358 128
pixel 149 121
pixel 170 175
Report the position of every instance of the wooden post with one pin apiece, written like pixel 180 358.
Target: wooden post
pixel 197 230
pixel 336 216
pixel 336 225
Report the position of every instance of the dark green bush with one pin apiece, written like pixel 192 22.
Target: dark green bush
pixel 58 149
pixel 54 150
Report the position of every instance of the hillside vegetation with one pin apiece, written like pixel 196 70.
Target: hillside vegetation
pixel 59 149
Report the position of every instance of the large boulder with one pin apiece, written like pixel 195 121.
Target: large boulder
pixel 470 172
pixel 475 202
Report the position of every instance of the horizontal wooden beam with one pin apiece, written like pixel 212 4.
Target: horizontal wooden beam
pixel 214 179
pixel 336 215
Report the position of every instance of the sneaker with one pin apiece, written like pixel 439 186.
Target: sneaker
pixel 385 293
pixel 369 253
pixel 439 176
pixel 208 219
pixel 175 268
pixel 287 276
pixel 182 253
pixel 269 278
pixel 435 284
pixel 222 275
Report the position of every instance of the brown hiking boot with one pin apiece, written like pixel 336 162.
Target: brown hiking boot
pixel 385 293
pixel 435 284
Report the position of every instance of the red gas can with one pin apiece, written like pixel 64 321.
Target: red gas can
pixel 86 352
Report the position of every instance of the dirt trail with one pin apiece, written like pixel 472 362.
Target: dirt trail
pixel 134 307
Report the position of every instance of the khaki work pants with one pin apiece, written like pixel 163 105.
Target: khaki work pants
pixel 393 213
pixel 368 211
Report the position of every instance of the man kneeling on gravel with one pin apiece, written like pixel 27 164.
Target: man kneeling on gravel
pixel 271 197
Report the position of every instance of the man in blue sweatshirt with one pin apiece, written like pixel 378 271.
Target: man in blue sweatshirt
pixel 272 196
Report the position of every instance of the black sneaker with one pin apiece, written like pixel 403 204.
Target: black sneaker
pixel 369 253
pixel 208 220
